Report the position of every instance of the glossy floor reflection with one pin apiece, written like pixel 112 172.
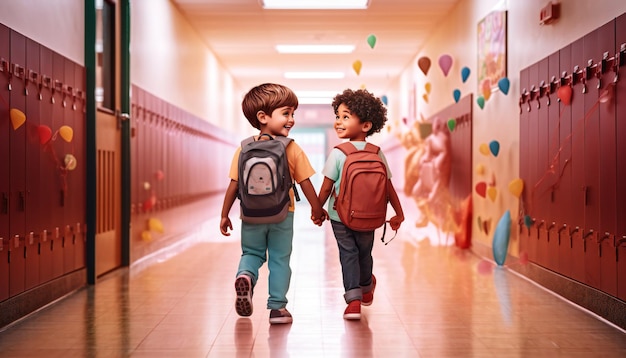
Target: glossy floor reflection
pixel 432 300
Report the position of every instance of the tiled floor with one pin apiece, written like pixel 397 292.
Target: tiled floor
pixel 432 300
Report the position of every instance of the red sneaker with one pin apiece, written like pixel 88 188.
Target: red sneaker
pixel 368 297
pixel 353 311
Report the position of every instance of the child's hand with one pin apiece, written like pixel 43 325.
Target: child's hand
pixel 225 224
pixel 319 218
pixel 395 222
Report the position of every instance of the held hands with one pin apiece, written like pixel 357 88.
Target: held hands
pixel 319 216
pixel 395 222
pixel 225 224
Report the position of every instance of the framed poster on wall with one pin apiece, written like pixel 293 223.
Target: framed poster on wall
pixel 492 59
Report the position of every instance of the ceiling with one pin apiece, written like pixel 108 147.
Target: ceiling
pixel 243 36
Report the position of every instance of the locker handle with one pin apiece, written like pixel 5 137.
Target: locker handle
pixel 571 233
pixel 617 245
pixel 560 231
pixel 585 236
pixel 599 242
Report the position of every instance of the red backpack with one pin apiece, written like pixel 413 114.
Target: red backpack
pixel 362 200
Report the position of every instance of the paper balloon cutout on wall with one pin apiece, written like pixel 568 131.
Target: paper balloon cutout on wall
pixel 501 238
pixel 528 221
pixel 371 40
pixel 494 147
pixel 146 236
pixel 384 99
pixel 428 87
pixel 445 62
pixel 565 94
pixel 481 102
pixel 155 225
pixel 425 97
pixel 483 149
pixel 451 124
pixel 45 134
pixel 516 186
pixel 457 95
pixel 492 193
pixel 486 90
pixel 503 85
pixel 481 189
pixel 17 118
pixel 67 133
pixel 70 162
pixel 465 72
pixel 424 64
pixel 357 66
pixel 480 169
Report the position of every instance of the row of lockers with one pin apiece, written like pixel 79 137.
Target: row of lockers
pixel 572 159
pixel 42 207
pixel 176 156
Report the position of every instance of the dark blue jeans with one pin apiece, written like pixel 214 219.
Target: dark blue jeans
pixel 355 255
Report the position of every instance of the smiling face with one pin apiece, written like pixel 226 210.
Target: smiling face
pixel 279 122
pixel 349 126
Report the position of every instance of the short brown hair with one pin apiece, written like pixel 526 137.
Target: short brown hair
pixel 267 97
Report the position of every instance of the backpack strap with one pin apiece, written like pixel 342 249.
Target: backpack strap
pixel 349 148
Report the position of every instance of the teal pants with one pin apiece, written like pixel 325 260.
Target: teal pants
pixel 271 243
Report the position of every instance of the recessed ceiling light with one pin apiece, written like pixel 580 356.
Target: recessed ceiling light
pixel 315 75
pixel 315 48
pixel 315 4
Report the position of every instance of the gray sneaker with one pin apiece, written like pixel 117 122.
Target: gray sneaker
pixel 243 303
pixel 280 316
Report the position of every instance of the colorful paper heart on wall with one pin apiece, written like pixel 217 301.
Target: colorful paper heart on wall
pixel 516 186
pixel 504 84
pixel 501 237
pixel 70 162
pixel 481 189
pixel 451 124
pixel 445 62
pixel 425 97
pixel 371 40
pixel 146 236
pixel 424 64
pixel 384 99
pixel 45 134
pixel 483 149
pixel 480 169
pixel 428 87
pixel 487 226
pixel 494 147
pixel 465 72
pixel 565 94
pixel 457 95
pixel 486 89
pixel 155 224
pixel 528 221
pixel 356 66
pixel 492 193
pixel 17 118
pixel 481 102
pixel 67 133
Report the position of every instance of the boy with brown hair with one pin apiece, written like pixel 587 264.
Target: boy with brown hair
pixel 270 109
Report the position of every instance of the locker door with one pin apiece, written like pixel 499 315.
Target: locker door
pixel 33 156
pixel 578 168
pixel 533 176
pixel 620 197
pixel 5 128
pixel 17 170
pixel 47 170
pixel 564 191
pixel 71 196
pixel 79 174
pixel 542 193
pixel 553 218
pixel 55 149
pixel 524 161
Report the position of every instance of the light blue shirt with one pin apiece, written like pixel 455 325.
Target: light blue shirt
pixel 333 169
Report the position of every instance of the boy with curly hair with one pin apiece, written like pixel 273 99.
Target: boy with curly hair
pixel 269 108
pixel 358 115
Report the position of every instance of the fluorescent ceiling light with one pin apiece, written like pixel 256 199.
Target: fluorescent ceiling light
pixel 315 4
pixel 315 97
pixel 315 48
pixel 315 75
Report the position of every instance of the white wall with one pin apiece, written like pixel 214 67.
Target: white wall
pixel 58 25
pixel 528 42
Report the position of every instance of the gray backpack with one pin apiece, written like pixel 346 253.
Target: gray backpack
pixel 264 180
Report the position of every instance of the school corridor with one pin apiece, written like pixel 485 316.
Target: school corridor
pixel 432 300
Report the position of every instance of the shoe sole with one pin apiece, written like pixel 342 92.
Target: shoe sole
pixel 352 316
pixel 243 303
pixel 369 303
pixel 281 320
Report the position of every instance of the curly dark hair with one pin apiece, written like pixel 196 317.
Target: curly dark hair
pixel 267 97
pixel 364 105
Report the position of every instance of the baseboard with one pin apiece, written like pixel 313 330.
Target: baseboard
pixel 20 306
pixel 605 306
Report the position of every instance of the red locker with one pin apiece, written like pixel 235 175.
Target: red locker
pixel 524 245
pixel 564 190
pixel 33 157
pixel 533 175
pixel 79 174
pixel 5 128
pixel 46 169
pixel 17 170
pixel 543 177
pixel 555 222
pixel 70 195
pixel 620 195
